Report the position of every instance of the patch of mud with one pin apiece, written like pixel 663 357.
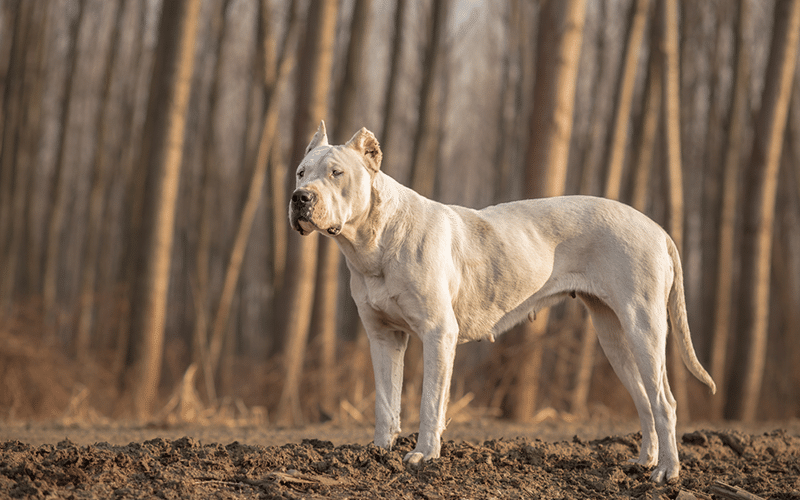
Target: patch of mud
pixel 765 465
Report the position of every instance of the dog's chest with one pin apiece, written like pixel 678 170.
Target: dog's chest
pixel 379 296
pixel 382 298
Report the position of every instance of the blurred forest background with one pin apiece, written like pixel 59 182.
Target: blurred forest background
pixel 147 267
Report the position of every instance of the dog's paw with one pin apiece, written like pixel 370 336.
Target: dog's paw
pixel 666 473
pixel 645 461
pixel 385 440
pixel 414 458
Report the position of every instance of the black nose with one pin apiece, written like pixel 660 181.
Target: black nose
pixel 303 197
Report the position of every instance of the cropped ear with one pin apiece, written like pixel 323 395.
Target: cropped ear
pixel 365 143
pixel 320 138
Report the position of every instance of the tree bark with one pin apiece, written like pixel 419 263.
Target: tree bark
pixel 170 89
pixel 507 100
pixel 208 209
pixel 423 154
pixel 97 204
pixel 391 84
pixel 326 310
pixel 314 77
pixel 759 211
pixel 14 38
pixel 277 165
pixel 727 212
pixel 21 88
pixel 672 135
pixel 233 271
pixel 351 86
pixel 60 194
pixel 558 54
pixel 622 110
pixel 646 141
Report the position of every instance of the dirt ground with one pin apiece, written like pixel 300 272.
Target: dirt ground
pixel 482 459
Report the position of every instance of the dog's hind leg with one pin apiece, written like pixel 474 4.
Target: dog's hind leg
pixel 617 348
pixel 650 353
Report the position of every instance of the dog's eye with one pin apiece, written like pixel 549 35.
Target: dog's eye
pixel 300 174
pixel 336 173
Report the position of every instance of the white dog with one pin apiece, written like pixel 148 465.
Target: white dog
pixel 450 274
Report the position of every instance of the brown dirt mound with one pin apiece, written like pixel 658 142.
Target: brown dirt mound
pixel 765 465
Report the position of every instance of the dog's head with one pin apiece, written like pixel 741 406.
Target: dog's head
pixel 334 183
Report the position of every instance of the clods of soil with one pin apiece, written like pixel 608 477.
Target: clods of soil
pixel 766 465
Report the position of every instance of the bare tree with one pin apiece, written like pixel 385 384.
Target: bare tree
pixel 624 100
pixel 207 188
pixel 391 84
pixel 759 210
pixel 672 136
pixel 558 54
pixel 161 159
pixel 425 146
pixel 727 214
pixel 277 166
pixel 316 61
pixel 647 132
pixel 21 62
pixel 99 187
pixel 60 186
pixel 256 186
pixel 506 102
pixel 328 278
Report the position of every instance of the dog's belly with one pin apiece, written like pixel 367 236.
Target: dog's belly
pixel 489 302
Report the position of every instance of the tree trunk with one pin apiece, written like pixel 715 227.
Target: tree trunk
pixel 558 54
pixel 646 141
pixel 326 310
pixel 60 189
pixel 727 212
pixel 170 89
pixel 391 85
pixel 208 209
pixel 423 154
pixel 97 205
pixel 314 77
pixel 15 39
pixel 593 153
pixel 622 111
pixel 506 101
pixel 277 165
pixel 350 86
pixel 759 211
pixel 233 271
pixel 590 166
pixel 672 135
pixel 21 67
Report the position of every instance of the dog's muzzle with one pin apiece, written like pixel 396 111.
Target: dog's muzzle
pixel 301 206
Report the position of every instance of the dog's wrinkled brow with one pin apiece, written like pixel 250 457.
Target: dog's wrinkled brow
pixel 311 159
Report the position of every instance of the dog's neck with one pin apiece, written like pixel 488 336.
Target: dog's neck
pixel 366 242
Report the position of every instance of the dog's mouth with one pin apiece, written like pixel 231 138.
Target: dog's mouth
pixel 303 224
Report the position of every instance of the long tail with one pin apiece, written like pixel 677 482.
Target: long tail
pixel 680 325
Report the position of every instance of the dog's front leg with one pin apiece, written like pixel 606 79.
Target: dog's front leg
pixel 387 349
pixel 439 349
